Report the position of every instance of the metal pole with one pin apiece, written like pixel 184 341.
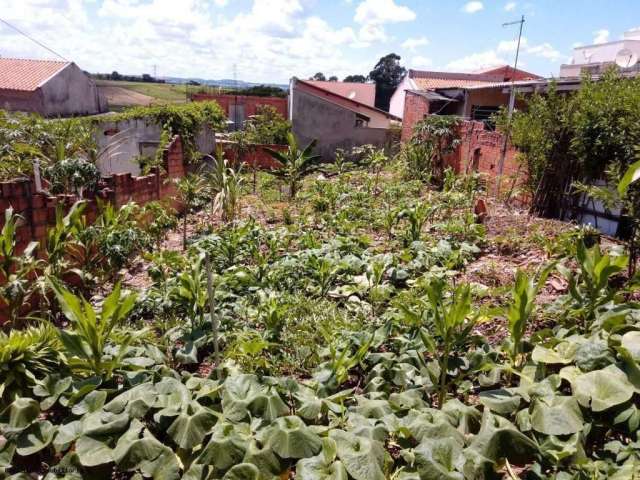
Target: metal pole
pixel 512 102
pixel 215 324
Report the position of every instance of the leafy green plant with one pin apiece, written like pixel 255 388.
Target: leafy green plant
pixel 72 176
pixel 16 271
pixel 25 357
pixel 438 136
pixel 86 343
pixel 189 188
pixel 416 216
pixel 519 313
pixel 452 325
pixel 589 289
pixel 295 164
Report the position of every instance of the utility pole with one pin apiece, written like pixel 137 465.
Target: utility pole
pixel 512 102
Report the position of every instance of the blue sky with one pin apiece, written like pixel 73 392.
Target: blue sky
pixel 271 40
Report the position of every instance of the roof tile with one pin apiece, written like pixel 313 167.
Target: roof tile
pixel 27 75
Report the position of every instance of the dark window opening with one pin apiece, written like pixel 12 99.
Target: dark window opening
pixel 362 121
pixel 484 114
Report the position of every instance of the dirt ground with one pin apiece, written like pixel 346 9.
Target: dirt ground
pixel 512 242
pixel 123 97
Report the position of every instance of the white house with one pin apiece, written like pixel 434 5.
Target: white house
pixel 595 59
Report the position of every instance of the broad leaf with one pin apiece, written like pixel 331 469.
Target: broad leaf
pixel 556 416
pixel 602 389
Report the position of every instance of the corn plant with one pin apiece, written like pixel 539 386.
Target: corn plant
pixel 189 189
pixel 416 216
pixel 452 324
pixel 15 270
pixel 85 344
pixel 61 236
pixel 25 357
pixel 295 164
pixel 520 311
pixel 224 184
pixel 589 289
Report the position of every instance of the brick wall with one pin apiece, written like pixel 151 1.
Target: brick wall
pixel 255 156
pixel 480 150
pixel 415 108
pixel 250 103
pixel 38 209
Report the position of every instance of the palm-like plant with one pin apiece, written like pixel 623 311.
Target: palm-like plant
pixel 295 164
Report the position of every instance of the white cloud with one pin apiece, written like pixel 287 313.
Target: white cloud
pixel 510 6
pixel 601 36
pixel 420 62
pixel 415 42
pixel 509 46
pixel 545 50
pixel 221 3
pixel 372 15
pixel 473 7
pixel 269 42
pixel 378 12
pixel 477 61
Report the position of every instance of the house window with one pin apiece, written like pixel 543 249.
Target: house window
pixel 361 121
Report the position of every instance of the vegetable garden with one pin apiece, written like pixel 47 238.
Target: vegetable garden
pixel 358 323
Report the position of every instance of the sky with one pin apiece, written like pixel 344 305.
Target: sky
pixel 273 40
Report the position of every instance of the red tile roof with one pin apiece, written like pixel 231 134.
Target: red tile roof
pixel 425 80
pixel 433 80
pixel 343 99
pixel 360 92
pixel 27 75
pixel 508 73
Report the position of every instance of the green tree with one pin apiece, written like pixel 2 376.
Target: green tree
pixel 355 78
pixel 319 77
pixel 387 74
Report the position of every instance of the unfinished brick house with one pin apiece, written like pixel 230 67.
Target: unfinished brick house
pixel 469 95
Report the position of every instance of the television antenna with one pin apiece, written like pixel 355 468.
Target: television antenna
pixel 625 58
pixel 512 103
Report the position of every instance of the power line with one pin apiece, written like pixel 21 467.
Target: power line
pixel 33 39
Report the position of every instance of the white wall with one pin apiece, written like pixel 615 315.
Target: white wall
pixel 122 142
pixel 605 52
pixel 396 107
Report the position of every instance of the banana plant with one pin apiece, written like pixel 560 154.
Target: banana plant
pixel 295 164
pixel 452 324
pixel 85 344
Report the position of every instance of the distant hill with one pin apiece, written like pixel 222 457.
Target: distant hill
pixel 225 82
